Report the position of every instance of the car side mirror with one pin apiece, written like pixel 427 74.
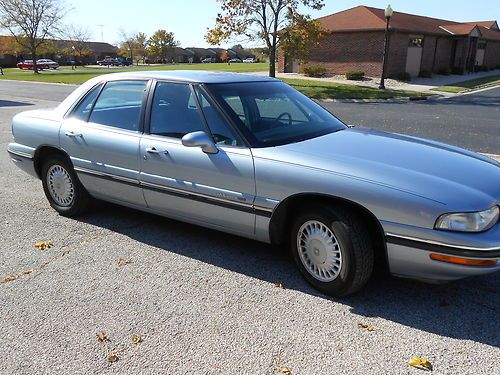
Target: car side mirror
pixel 200 139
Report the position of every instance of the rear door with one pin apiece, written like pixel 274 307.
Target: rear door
pixel 102 137
pixel 215 190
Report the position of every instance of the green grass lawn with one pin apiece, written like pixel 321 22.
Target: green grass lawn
pixel 329 90
pixel 470 84
pixel 312 88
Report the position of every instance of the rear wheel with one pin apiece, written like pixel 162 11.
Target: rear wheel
pixel 333 250
pixel 62 187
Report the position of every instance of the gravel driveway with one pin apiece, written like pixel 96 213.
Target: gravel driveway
pixel 207 302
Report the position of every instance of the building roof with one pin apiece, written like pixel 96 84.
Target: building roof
pixel 200 51
pixel 96 47
pixel 363 18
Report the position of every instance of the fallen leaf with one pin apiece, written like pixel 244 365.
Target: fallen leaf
pixel 286 370
pixel 136 339
pixel 340 348
pixel 368 327
pixel 279 285
pixel 113 357
pixel 122 262
pixel 101 336
pixel 44 245
pixel 420 362
pixel 6 279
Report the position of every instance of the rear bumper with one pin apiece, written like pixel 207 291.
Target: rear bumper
pixel 411 257
pixel 23 157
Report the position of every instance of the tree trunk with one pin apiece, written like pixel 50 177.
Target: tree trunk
pixel 272 62
pixel 33 57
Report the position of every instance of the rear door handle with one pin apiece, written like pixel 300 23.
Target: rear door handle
pixel 153 150
pixel 73 134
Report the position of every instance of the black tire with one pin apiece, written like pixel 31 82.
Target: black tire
pixel 355 247
pixel 80 198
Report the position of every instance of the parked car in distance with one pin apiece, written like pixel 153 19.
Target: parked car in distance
pixel 51 64
pixel 108 61
pixel 250 60
pixel 209 60
pixel 28 64
pixel 252 156
pixel 123 62
pixel 235 60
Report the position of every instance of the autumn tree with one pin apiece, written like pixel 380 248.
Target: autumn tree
pixel 141 45
pixel 31 22
pixel 257 20
pixel 300 36
pixel 79 38
pixel 161 44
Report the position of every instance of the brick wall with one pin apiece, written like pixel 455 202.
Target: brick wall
pixel 492 54
pixel 443 54
pixel 343 52
pixel 428 53
pixel 398 49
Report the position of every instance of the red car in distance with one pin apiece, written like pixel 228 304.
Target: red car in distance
pixel 28 64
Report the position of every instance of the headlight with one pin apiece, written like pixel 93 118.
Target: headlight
pixel 469 221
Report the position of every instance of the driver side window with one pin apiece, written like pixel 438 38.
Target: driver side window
pixel 220 130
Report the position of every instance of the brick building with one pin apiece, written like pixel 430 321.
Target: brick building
pixel 354 40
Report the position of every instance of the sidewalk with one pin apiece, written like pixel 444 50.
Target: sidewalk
pixel 416 84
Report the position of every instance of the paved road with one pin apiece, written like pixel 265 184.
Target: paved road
pixel 469 121
pixel 206 302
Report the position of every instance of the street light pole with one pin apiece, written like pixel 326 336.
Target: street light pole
pixel 388 14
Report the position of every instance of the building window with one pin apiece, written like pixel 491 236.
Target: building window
pixel 481 45
pixel 416 42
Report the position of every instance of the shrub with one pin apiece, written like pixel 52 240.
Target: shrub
pixel 403 76
pixel 457 70
pixel 481 68
pixel 314 71
pixel 355 75
pixel 444 71
pixel 498 66
pixel 425 74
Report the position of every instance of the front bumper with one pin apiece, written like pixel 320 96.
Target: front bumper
pixel 410 255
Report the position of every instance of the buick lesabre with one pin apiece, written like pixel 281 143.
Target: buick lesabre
pixel 252 156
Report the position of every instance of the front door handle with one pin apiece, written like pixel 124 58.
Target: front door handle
pixel 152 150
pixel 73 134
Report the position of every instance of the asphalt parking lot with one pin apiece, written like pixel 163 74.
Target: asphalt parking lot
pixel 203 301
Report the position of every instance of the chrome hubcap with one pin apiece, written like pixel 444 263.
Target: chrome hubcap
pixel 60 185
pixel 319 251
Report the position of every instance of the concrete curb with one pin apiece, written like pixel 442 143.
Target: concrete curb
pixel 386 101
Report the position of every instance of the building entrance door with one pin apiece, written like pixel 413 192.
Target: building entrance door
pixel 414 56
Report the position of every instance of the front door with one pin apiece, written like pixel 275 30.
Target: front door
pixel 215 190
pixel 414 55
pixel 102 137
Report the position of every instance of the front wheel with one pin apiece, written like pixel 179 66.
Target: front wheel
pixel 62 187
pixel 333 250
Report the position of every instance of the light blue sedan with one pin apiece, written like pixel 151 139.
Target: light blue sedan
pixel 252 156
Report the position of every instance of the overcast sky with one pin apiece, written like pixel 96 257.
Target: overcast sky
pixel 189 19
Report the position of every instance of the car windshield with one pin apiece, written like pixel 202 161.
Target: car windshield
pixel 272 113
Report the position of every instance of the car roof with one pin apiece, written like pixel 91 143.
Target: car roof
pixel 192 76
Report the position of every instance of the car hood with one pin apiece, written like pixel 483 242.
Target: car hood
pixel 450 175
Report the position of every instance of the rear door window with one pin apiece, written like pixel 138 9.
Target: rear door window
pixel 119 105
pixel 82 110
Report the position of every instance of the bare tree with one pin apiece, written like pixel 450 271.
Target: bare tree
pixel 79 38
pixel 31 21
pixel 257 19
